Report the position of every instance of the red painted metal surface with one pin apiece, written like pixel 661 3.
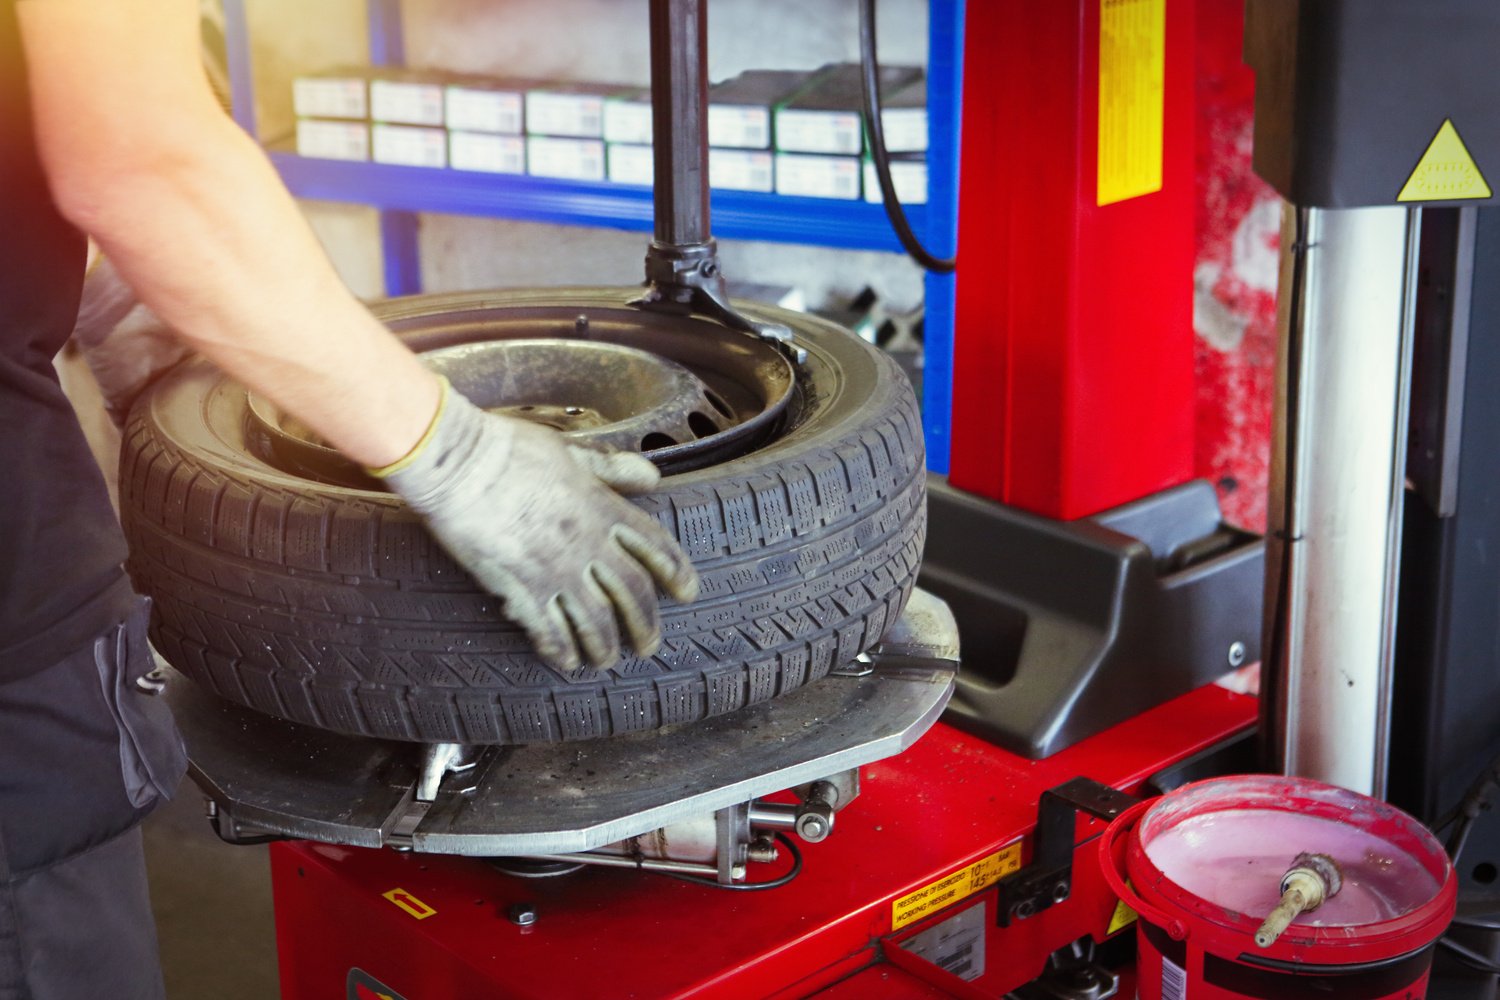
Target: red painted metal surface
pixel 1073 352
pixel 949 801
pixel 1234 278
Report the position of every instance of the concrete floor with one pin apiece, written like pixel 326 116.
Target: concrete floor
pixel 213 907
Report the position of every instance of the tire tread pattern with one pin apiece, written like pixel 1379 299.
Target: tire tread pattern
pixel 336 609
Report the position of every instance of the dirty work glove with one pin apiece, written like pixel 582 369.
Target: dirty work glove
pixel 537 522
pixel 125 345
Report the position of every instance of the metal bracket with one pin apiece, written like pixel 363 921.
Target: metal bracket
pixel 683 274
pixel 1048 880
pixel 688 279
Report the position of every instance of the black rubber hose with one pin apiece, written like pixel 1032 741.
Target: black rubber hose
pixel 774 883
pixel 870 71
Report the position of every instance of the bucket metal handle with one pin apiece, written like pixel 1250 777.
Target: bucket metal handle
pixel 1112 861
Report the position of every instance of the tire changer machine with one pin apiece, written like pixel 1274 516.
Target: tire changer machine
pixel 1097 591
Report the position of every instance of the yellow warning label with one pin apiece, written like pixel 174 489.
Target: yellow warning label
pixel 1124 916
pixel 1132 91
pixel 1446 172
pixel 963 883
pixel 411 904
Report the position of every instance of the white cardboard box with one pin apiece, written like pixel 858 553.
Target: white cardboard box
pixel 630 163
pixel 487 152
pixel 742 170
pixel 333 140
pixel 809 131
pixel 909 177
pixel 826 116
pixel 740 109
pixel 572 110
pixel 409 145
pixel 905 129
pixel 476 106
pixel 406 100
pixel 628 120
pixel 811 176
pixel 567 159
pixel 739 126
pixel 729 169
pixel 331 95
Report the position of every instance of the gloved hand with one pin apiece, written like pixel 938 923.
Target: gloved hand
pixel 537 522
pixel 124 344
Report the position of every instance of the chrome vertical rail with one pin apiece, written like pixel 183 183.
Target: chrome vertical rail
pixel 1337 482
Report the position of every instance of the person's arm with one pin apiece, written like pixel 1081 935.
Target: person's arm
pixel 142 158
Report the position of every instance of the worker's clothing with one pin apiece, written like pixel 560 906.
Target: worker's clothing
pixel 77 931
pixel 60 546
pixel 84 753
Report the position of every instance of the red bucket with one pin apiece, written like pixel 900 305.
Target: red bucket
pixel 1225 844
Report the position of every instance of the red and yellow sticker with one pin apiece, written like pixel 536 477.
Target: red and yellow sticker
pixel 961 884
pixel 1132 97
pixel 411 904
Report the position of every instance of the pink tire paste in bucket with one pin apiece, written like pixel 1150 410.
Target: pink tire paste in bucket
pixel 1202 866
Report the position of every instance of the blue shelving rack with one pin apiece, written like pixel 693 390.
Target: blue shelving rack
pixel 400 193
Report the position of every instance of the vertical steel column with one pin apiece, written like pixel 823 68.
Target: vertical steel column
pixel 682 262
pixel 1338 465
pixel 679 120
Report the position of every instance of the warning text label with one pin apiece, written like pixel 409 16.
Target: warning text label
pixel 963 883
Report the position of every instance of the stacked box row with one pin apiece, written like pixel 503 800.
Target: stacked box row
pixel 793 132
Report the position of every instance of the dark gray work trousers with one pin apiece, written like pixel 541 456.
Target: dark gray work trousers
pixel 85 755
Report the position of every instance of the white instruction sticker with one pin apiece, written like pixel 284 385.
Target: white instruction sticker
pixel 956 945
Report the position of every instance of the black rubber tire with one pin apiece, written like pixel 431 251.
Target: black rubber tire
pixel 332 606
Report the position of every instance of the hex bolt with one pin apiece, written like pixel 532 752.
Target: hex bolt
pixel 1236 654
pixel 522 914
pixel 813 826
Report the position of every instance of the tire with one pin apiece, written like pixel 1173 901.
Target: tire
pixel 332 606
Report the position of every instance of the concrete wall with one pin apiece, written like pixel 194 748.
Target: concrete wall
pixel 580 39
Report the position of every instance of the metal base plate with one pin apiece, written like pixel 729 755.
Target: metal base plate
pixel 271 777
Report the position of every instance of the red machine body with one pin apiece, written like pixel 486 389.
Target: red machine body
pixel 932 830
pixel 1073 348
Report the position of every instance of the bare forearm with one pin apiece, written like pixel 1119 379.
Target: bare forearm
pixel 243 279
pixel 195 218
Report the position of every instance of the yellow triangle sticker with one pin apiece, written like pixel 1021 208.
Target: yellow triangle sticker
pixel 1446 172
pixel 1123 917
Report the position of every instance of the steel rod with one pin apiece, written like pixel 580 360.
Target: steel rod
pixel 679 120
pixel 647 864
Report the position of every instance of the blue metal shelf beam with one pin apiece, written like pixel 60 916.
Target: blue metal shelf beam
pixel 945 74
pixel 736 214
